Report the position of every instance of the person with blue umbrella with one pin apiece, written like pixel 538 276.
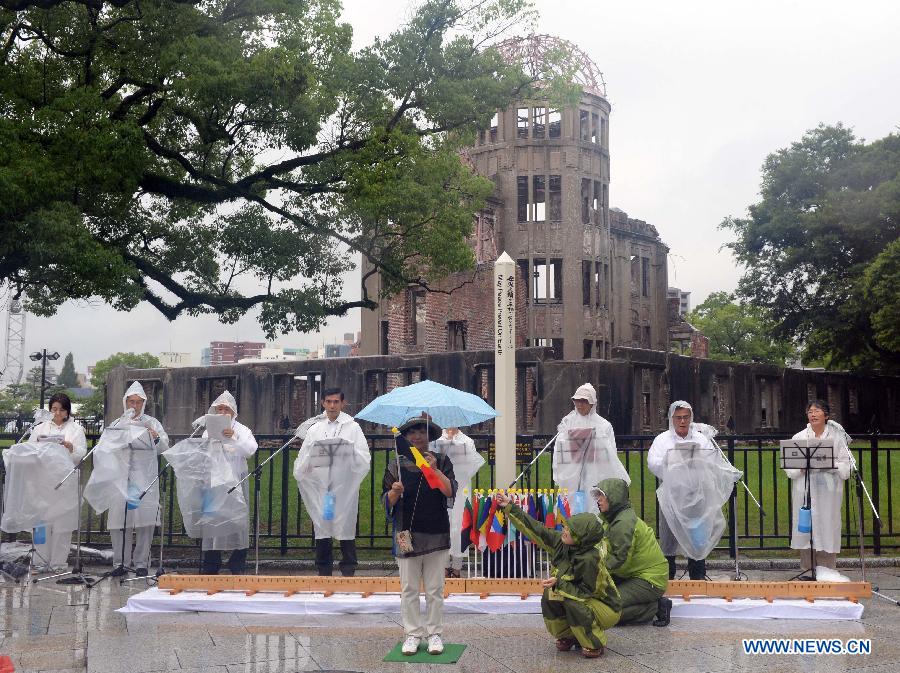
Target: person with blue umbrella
pixel 421 529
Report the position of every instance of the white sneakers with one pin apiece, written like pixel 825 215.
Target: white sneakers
pixel 435 646
pixel 410 645
pixel 824 574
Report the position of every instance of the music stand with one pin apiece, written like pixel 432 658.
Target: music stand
pixel 808 454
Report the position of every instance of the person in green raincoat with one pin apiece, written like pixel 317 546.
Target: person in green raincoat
pixel 580 600
pixel 634 558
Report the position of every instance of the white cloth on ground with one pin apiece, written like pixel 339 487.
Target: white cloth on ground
pixel 319 472
pixel 826 494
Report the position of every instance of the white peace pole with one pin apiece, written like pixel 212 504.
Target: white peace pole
pixel 505 368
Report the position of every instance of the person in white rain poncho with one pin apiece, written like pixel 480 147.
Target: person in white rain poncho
pixel 585 451
pixel 239 445
pixel 466 460
pixel 328 473
pixel 142 468
pixel 53 553
pixel 826 489
pixel 697 481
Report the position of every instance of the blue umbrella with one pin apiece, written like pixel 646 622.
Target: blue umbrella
pixel 448 407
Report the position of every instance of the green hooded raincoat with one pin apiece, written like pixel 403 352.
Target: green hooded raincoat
pixel 634 558
pixel 584 602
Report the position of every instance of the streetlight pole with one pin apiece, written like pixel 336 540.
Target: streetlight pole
pixel 43 356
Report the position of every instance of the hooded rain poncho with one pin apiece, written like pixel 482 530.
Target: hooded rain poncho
pixel 696 483
pixel 125 463
pixel 585 454
pixel 584 602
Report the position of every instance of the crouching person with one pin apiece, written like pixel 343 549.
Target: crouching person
pixel 580 600
pixel 634 558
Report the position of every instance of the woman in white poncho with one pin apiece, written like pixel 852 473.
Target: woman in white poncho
pixel 460 449
pixel 142 469
pixel 826 494
pixel 240 445
pixel 53 553
pixel 692 491
pixel 585 451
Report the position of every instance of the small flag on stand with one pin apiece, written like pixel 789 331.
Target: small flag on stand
pixel 465 533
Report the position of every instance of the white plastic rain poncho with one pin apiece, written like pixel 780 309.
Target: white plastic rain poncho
pixel 67 494
pixel 826 489
pixel 696 483
pixel 241 446
pixel 125 464
pixel 585 453
pixel 329 473
pixel 32 470
pixel 466 460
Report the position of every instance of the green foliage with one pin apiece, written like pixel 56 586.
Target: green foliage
pixel 19 398
pixel 67 376
pixel 820 248
pixel 222 156
pixel 93 406
pixel 739 332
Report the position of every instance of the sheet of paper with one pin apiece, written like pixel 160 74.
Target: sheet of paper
pixel 215 424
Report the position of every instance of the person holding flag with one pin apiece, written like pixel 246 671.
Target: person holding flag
pixel 417 490
pixel 580 601
pixel 635 560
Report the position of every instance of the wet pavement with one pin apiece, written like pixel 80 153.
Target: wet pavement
pixel 49 627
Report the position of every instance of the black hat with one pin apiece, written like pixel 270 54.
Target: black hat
pixel 434 430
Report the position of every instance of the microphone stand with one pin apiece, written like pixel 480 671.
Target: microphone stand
pixel 160 477
pixel 77 575
pixel 257 471
pixel 533 461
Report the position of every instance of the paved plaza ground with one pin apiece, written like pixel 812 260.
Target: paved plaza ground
pixel 49 627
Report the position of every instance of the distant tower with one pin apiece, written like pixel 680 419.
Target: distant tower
pixel 14 365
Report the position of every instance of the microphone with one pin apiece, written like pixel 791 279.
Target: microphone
pixel 198 423
pixel 127 416
pixel 42 415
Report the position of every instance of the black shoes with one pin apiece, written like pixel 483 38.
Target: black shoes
pixel 118 571
pixel 140 572
pixel 663 612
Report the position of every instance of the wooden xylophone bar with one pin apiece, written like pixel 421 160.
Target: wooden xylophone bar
pixel 685 589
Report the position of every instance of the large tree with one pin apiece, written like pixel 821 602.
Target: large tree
pixel 93 406
pixel 739 332
pixel 67 376
pixel 216 156
pixel 820 248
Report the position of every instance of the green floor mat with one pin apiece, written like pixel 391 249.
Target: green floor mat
pixel 450 655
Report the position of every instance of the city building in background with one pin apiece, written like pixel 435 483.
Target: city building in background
pixel 230 352
pixel 174 359
pixel 684 299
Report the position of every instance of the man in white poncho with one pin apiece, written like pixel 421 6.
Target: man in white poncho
pixel 697 481
pixel 460 449
pixel 328 474
pixel 585 451
pixel 142 468
pixel 239 445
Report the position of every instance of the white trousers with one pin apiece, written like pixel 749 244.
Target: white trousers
pixel 141 556
pixel 55 551
pixel 427 570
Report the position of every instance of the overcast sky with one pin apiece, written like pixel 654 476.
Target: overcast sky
pixel 701 92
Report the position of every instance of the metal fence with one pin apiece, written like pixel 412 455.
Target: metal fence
pixel 285 528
